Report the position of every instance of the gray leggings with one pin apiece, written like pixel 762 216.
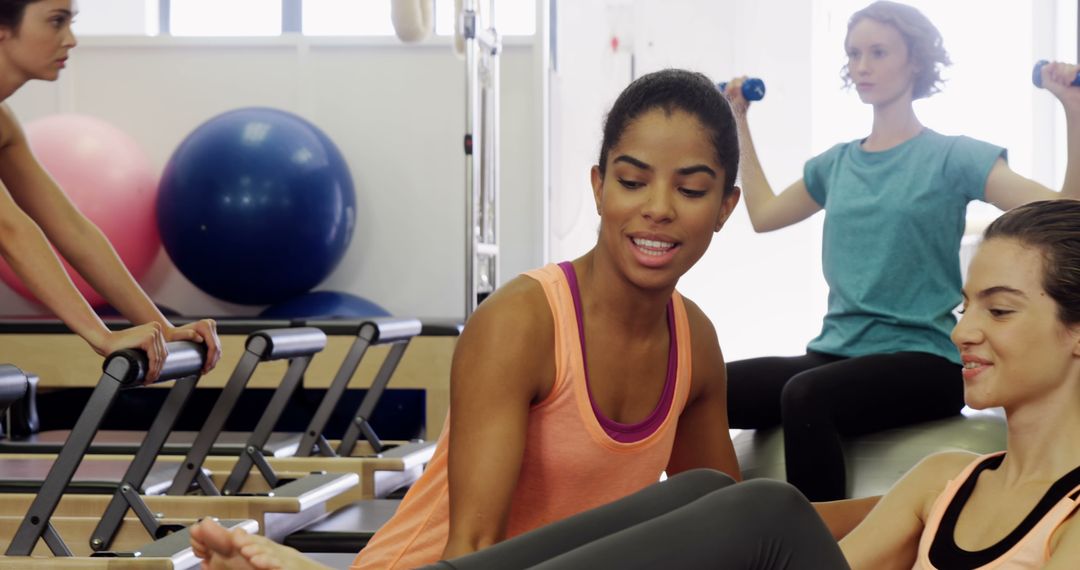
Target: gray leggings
pixel 697 519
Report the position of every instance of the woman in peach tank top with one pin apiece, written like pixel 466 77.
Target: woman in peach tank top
pixel 1016 510
pixel 587 350
pixel 583 382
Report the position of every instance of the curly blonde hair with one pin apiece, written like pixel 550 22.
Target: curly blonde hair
pixel 925 47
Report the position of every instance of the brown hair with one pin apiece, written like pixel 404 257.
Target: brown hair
pixel 1052 227
pixel 924 44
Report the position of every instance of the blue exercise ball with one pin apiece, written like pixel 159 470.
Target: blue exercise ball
pixel 324 305
pixel 256 206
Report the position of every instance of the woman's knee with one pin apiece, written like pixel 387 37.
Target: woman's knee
pixel 807 392
pixel 763 502
pixel 703 481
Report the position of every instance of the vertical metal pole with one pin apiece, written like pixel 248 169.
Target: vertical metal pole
pixel 495 53
pixel 470 22
pixel 482 48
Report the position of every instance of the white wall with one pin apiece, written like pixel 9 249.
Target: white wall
pixel 749 284
pixel 765 292
pixel 395 111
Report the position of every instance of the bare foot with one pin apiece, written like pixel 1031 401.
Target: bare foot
pixel 221 549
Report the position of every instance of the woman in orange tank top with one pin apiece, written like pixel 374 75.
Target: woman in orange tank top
pixel 520 367
pixel 580 383
pixel 1020 342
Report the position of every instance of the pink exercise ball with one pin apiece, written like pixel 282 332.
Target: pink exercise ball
pixel 109 179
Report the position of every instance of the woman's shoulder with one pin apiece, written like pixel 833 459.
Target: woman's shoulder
pixel 835 151
pixel 518 307
pixel 10 131
pixel 512 331
pixel 935 140
pixel 825 161
pixel 701 326
pixel 945 466
pixel 931 476
pixel 705 345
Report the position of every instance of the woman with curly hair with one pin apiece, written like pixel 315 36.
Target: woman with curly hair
pixel 894 205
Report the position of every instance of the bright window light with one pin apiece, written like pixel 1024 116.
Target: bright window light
pixel 515 17
pixel 117 18
pixel 347 18
pixel 225 17
pixel 512 17
pixel 987 92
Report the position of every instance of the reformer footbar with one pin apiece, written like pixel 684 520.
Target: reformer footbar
pixel 123 369
pixel 396 332
pixel 384 468
pixel 126 442
pixel 289 507
pixel 382 473
pixel 25 474
pixel 350 527
pixel 298 345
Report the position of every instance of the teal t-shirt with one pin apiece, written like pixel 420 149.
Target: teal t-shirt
pixel 890 250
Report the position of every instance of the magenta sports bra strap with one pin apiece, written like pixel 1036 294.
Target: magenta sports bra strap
pixel 628 433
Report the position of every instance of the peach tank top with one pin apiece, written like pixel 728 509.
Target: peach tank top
pixel 574 460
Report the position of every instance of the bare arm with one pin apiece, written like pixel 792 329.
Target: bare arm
pixel 25 247
pixel 702 439
pixel 768 211
pixel 37 198
pixel 500 364
pixel 75 237
pixel 843 516
pixel 889 536
pixel 1007 189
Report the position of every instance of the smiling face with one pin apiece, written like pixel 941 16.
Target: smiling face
pixel 1013 344
pixel 38 48
pixel 879 65
pixel 661 198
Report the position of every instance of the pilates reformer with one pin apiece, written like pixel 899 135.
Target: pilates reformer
pixel 171 545
pixel 296 502
pixel 383 466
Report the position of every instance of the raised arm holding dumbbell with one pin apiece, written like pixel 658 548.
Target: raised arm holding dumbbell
pixel 895 203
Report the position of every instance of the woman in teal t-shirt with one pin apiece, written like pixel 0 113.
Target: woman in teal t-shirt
pixel 894 215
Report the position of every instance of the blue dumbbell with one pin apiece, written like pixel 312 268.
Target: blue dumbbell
pixel 753 89
pixel 1036 74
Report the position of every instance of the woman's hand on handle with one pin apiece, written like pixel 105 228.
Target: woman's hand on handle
pixel 152 337
pixel 148 337
pixel 202 331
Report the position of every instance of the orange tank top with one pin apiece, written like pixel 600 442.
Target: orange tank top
pixel 571 462
pixel 1026 547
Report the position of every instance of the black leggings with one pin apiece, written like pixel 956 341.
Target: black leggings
pixel 819 397
pixel 698 519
